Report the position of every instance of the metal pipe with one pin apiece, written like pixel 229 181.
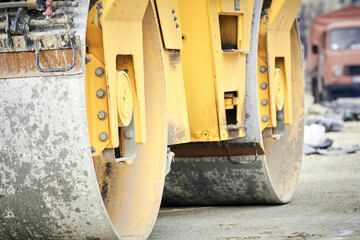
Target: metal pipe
pixel 53 21
pixel 43 22
pixel 33 4
pixel 17 4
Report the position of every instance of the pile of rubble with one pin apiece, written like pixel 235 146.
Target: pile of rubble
pixel 328 117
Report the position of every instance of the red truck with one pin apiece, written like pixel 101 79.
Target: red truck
pixel 333 54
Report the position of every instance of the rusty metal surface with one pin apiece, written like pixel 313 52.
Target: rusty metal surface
pixel 22 64
pixel 47 42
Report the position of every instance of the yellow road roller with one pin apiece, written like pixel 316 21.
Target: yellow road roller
pixel 109 108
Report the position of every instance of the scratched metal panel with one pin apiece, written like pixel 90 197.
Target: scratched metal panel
pixel 168 11
pixel 230 6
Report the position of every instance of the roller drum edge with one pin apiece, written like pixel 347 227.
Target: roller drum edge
pixel 272 178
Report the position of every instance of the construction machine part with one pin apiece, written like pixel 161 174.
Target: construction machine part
pixel 271 178
pixel 124 99
pixel 132 192
pixel 49 187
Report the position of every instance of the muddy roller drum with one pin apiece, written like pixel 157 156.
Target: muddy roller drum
pixel 94 93
pixel 49 187
pixel 272 177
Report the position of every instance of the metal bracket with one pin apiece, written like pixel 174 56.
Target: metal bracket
pixel 129 142
pixel 242 162
pixel 37 51
pixel 236 50
pixel 19 26
pixel 8 31
pixel 237 5
pixel 280 124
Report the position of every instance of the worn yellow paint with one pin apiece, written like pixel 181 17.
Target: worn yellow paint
pixel 263 94
pixel 209 72
pixel 275 53
pixel 282 14
pixel 124 99
pixel 122 50
pixel 135 190
pixel 205 72
pixel 198 70
pixel 279 89
pixel 95 104
pixel 126 17
pixel 168 12
pixel 114 33
pixel 94 40
pixel 178 122
pixel 227 6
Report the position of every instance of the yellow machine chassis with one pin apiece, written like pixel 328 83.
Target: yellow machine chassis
pixel 85 151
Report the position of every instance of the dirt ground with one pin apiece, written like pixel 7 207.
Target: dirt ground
pixel 326 204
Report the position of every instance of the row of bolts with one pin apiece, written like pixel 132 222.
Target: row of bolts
pixel 264 101
pixel 100 93
pixel 102 115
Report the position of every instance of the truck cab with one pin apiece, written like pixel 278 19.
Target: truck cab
pixel 339 67
pixel 333 54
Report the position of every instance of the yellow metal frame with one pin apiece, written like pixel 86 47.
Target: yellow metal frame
pixel 120 50
pixel 275 53
pixel 209 72
pixel 170 26
pixel 126 17
pixel 203 79
pixel 263 80
pixel 96 104
pixel 178 122
pixel 168 17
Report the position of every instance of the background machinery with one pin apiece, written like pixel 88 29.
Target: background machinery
pixel 97 98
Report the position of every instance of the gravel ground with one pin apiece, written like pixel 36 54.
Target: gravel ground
pixel 326 205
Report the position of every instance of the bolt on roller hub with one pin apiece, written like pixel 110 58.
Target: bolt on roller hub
pixel 100 93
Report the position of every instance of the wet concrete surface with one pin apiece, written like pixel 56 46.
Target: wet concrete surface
pixel 326 205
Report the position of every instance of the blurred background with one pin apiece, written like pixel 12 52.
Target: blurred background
pixel 330 33
pixel 310 9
